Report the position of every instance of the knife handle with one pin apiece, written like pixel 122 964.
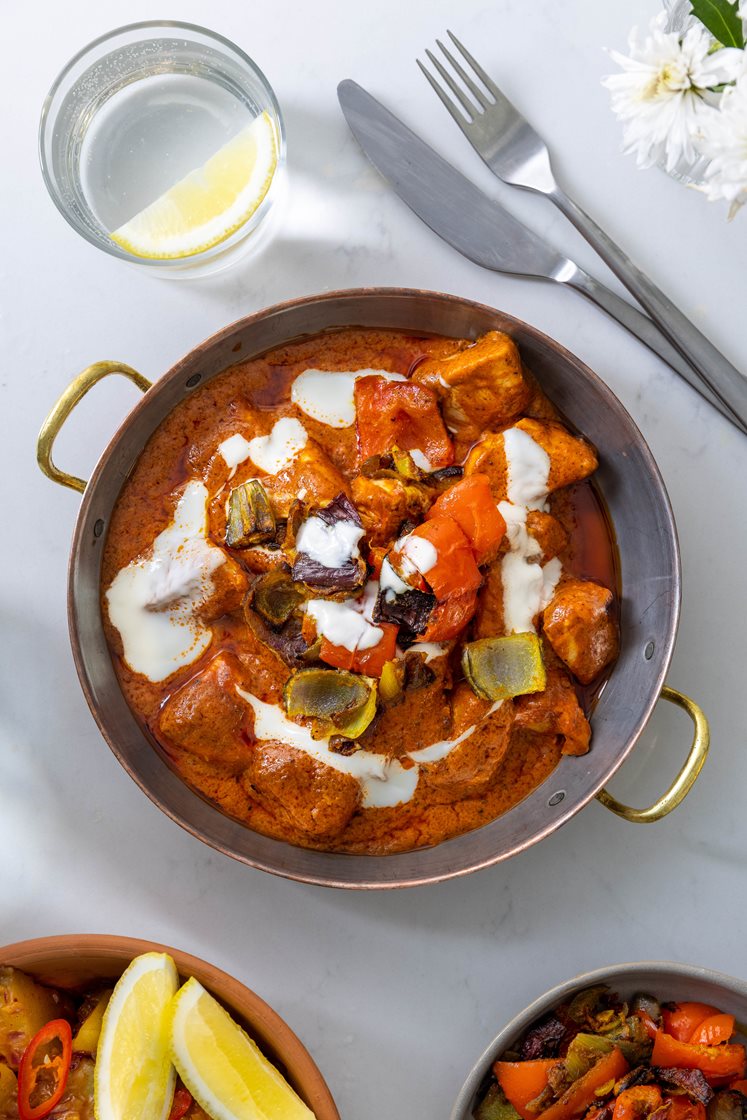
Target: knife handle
pixel 725 382
pixel 646 330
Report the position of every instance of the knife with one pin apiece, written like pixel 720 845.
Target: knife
pixel 479 227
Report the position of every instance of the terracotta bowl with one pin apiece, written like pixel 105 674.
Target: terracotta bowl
pixel 71 960
pixel 664 979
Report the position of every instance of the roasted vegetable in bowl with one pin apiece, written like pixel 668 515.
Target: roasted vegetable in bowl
pixel 146 1048
pixel 598 1057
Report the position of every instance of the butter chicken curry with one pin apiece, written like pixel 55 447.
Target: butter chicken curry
pixel 359 592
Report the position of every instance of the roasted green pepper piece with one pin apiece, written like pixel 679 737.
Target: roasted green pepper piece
pixel 495 1106
pixel 584 1005
pixel 498 668
pixel 340 702
pixel 276 596
pixel 250 518
pixel 405 465
pixel 392 682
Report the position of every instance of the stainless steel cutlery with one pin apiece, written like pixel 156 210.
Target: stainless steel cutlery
pixel 518 155
pixel 476 225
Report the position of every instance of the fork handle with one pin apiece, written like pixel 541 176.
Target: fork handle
pixel 725 382
pixel 646 330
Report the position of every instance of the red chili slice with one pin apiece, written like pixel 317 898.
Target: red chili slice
pixel 44 1068
pixel 182 1103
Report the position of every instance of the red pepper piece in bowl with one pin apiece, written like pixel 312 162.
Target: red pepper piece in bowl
pixel 45 1064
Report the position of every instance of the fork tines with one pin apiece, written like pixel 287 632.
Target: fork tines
pixel 480 97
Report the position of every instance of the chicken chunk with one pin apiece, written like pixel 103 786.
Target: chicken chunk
pixel 207 718
pixel 312 477
pixel 480 387
pixel 489 618
pixel 580 626
pixel 25 1007
pixel 311 797
pixel 555 711
pixel 470 767
pixel 571 458
pixel 488 457
pixel 548 533
pixel 384 503
pixel 230 584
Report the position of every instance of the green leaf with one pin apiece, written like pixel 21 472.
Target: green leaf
pixel 721 19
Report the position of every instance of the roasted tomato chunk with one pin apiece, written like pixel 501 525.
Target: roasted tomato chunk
pixel 400 414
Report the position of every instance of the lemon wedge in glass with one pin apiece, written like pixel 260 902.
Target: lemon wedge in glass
pixel 209 204
pixel 134 1077
pixel 223 1068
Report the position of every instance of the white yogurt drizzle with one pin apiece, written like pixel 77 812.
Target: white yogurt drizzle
pixel 234 450
pixel 330 545
pixel 391 584
pixel 343 624
pixel 153 601
pixel 432 650
pixel 436 751
pixel 328 395
pixel 384 782
pixel 271 453
pixel 420 553
pixel 527 585
pixel 420 459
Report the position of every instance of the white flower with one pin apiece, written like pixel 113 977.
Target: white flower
pixel 726 143
pixel 659 95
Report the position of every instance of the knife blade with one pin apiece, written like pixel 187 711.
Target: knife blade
pixel 446 200
pixel 479 227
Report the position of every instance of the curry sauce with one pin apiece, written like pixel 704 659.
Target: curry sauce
pixel 438 756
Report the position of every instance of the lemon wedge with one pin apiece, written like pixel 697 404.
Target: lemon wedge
pixel 223 1068
pixel 134 1077
pixel 209 204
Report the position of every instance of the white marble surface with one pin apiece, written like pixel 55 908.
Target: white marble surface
pixel 394 994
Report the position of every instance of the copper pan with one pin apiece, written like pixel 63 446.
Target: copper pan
pixel 73 960
pixel 650 567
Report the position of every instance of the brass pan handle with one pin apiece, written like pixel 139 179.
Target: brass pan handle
pixel 72 396
pixel 684 781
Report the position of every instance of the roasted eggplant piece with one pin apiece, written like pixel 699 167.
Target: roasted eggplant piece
pixel 728 1104
pixel 348 576
pixel 499 668
pixel 691 1082
pixel 642 1001
pixel 410 611
pixel 275 597
pixel 338 702
pixel 287 641
pixel 250 517
pixel 543 1041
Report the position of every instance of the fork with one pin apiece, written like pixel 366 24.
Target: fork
pixel 518 155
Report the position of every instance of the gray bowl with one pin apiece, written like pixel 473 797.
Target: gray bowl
pixel 666 980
